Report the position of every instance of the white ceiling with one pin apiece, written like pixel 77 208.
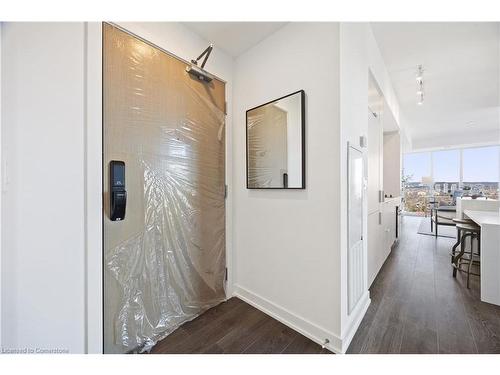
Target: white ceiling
pixel 234 37
pixel 461 63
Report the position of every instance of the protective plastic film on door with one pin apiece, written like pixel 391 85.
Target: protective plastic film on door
pixel 165 262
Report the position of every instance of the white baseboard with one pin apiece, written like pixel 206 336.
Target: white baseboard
pixel 288 318
pixel 357 316
pixel 310 330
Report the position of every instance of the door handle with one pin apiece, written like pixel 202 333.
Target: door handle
pixel 118 193
pixel 381 196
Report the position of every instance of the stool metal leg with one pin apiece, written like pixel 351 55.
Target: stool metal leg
pixel 479 243
pixel 459 233
pixel 471 260
pixel 457 258
pixel 469 267
pixel 436 218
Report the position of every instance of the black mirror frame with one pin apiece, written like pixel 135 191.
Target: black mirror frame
pixel 303 140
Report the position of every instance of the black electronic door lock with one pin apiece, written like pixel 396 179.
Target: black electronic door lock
pixel 117 192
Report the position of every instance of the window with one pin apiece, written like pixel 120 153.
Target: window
pixel 481 170
pixel 446 168
pixel 416 167
pixel 445 175
pixel 471 171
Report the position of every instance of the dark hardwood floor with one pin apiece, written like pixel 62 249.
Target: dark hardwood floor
pixel 235 327
pixel 418 307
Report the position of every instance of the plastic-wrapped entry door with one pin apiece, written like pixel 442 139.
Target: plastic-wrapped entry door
pixel 164 263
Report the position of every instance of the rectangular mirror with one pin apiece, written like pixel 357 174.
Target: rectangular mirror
pixel 276 144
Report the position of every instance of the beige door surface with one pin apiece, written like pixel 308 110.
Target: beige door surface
pixel 164 263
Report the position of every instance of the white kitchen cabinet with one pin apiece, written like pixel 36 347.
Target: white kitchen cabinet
pixel 381 236
pixel 392 164
pixel 389 222
pixel 374 246
pixel 384 157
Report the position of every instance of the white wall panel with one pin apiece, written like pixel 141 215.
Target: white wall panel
pixel 43 218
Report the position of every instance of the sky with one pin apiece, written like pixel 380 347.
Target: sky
pixel 447 165
pixel 417 165
pixel 480 165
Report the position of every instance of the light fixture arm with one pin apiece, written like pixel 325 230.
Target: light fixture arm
pixel 205 53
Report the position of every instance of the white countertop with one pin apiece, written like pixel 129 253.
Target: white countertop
pixel 391 199
pixel 484 217
pixel 490 253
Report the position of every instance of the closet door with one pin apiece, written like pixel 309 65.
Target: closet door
pixel 164 260
pixel 374 246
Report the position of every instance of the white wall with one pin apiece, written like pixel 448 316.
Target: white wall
pixel 286 243
pixel 43 213
pixel 51 142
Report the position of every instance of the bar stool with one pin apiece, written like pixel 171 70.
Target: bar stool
pixel 459 233
pixel 473 232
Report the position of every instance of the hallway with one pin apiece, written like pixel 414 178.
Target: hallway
pixel 417 307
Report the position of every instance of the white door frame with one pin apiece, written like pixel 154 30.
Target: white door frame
pixel 93 188
pixel 2 182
